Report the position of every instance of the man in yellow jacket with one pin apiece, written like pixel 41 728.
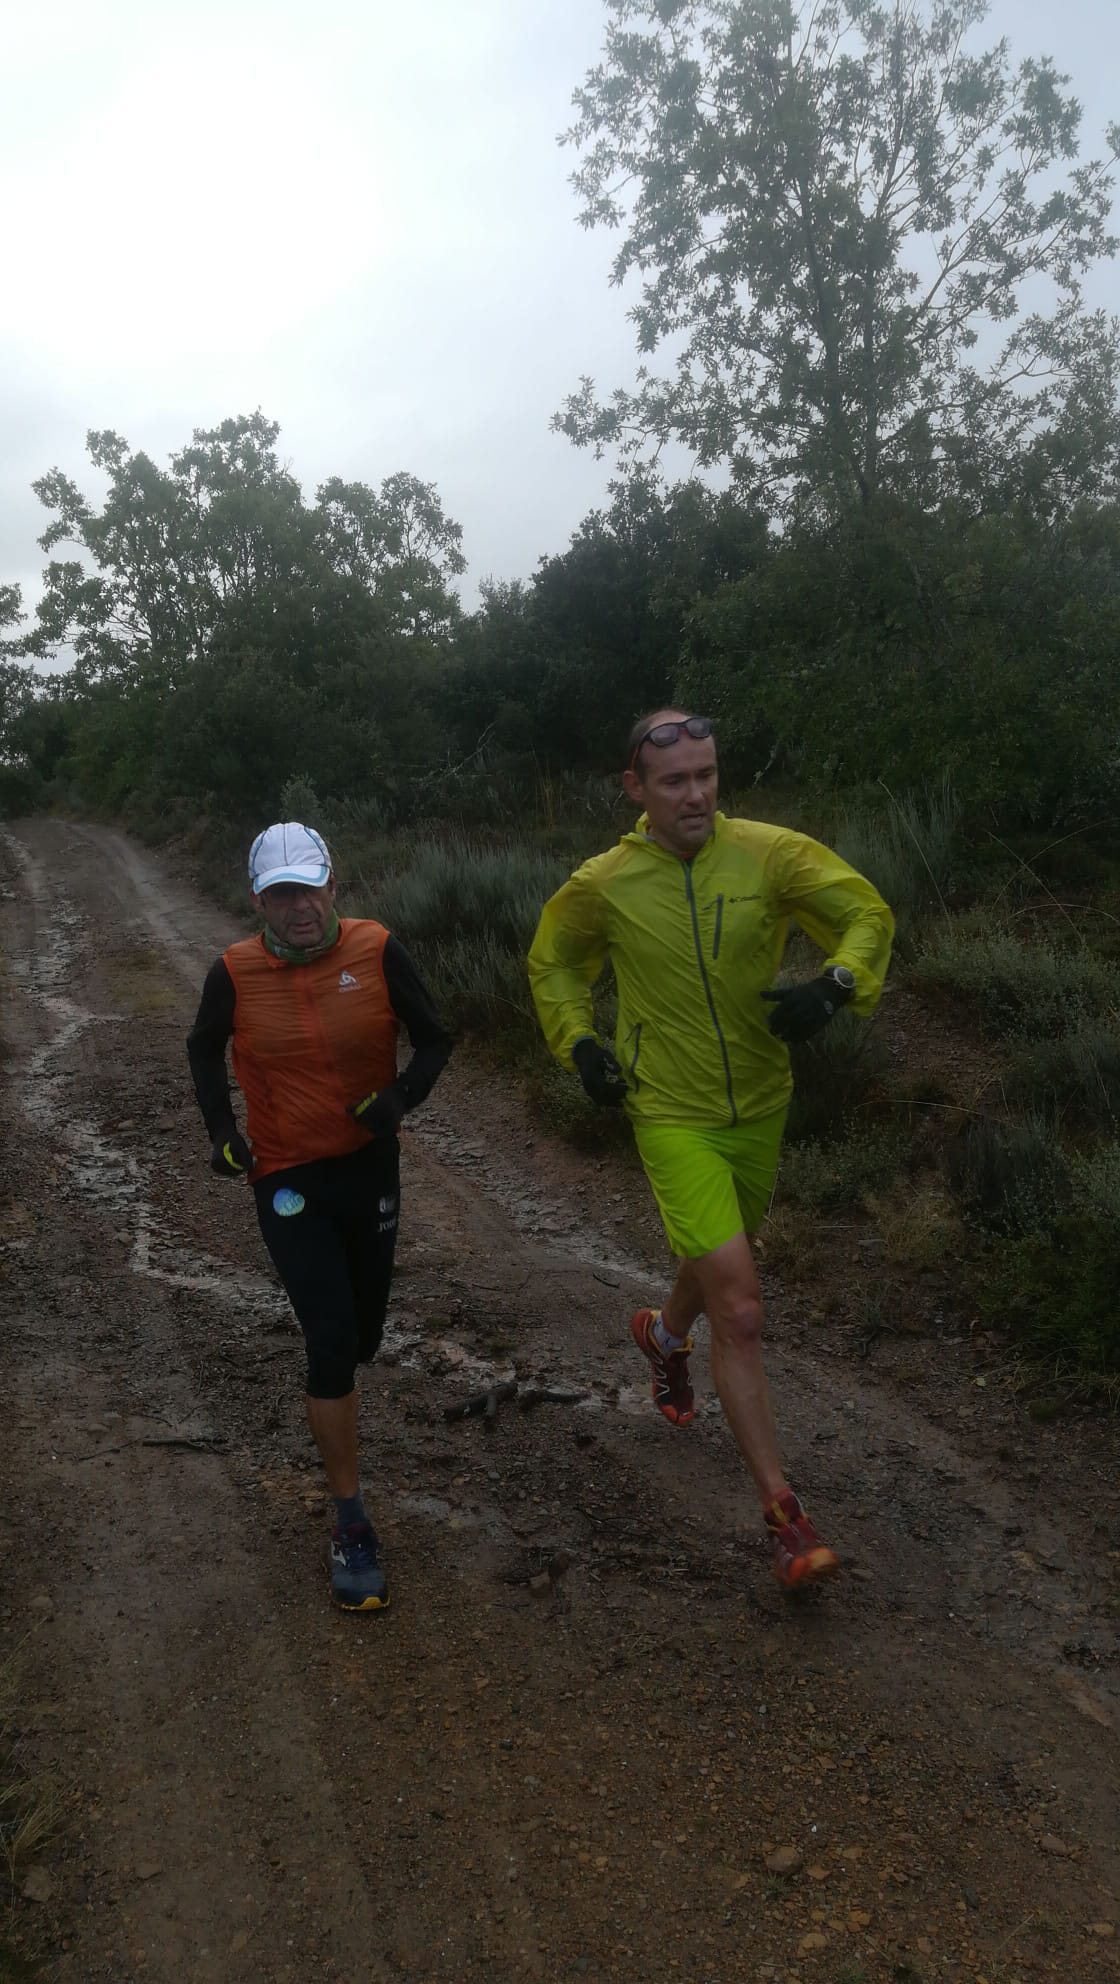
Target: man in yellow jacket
pixel 692 908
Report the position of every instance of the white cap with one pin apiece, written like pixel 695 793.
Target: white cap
pixel 288 853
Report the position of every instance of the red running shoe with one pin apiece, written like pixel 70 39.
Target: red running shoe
pixel 799 1555
pixel 672 1387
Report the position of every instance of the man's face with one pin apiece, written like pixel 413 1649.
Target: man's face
pixel 678 786
pixel 296 914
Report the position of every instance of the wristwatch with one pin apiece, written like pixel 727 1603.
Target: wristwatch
pixel 843 979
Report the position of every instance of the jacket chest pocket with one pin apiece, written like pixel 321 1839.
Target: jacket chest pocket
pixel 742 933
pixel 717 933
pixel 708 929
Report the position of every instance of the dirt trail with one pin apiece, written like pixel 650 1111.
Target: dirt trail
pixel 589 1717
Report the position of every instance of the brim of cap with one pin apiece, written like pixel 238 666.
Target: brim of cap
pixel 312 878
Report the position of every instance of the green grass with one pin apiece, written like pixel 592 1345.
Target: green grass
pixel 908 847
pixel 464 890
pixel 480 983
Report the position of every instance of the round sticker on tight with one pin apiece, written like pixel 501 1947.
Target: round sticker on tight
pixel 286 1202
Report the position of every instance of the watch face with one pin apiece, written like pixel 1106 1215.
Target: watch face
pixel 844 978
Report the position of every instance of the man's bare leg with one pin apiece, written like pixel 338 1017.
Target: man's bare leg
pixel 357 1580
pixel 724 1286
pixel 334 1428
pixel 685 1301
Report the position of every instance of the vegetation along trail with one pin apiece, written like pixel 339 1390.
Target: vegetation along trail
pixel 590 1738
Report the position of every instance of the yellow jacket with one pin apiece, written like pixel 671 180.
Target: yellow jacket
pixel 693 945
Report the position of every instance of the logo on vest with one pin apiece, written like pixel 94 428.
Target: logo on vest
pixel 347 982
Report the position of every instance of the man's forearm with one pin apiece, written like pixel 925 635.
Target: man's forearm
pixel 211 1086
pixel 430 1039
pixel 423 1071
pixel 206 1051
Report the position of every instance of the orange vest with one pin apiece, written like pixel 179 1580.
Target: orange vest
pixel 309 1040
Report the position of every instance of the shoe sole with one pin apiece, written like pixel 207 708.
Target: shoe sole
pixel 813 1569
pixel 674 1417
pixel 365 1604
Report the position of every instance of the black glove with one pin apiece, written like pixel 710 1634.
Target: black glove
pixel 230 1155
pixel 600 1073
pixel 800 1011
pixel 381 1112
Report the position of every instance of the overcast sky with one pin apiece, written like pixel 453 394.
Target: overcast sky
pixel 354 216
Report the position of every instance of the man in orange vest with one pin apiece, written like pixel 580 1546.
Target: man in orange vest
pixel 313 1007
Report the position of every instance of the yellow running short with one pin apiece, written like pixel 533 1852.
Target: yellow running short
pixel 710 1184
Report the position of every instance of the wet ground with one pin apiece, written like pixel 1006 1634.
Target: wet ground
pixel 590 1738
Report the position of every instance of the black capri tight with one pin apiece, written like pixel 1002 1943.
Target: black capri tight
pixel 331 1228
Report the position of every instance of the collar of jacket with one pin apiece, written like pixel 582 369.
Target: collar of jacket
pixel 640 835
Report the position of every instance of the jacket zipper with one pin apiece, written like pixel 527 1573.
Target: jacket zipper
pixel 690 893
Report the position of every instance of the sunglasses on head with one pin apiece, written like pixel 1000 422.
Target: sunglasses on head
pixel 664 734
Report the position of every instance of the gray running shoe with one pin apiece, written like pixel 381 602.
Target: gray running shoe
pixel 358 1583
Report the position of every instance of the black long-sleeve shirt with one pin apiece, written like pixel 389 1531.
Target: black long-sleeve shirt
pixel 215 1021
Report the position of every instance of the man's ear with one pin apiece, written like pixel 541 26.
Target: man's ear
pixel 633 788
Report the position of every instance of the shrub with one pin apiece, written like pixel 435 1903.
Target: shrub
pixel 467 915
pixel 1053 1264
pixel 300 801
pixel 1055 1291
pixel 832 1075
pixel 1075 1079
pixel 817 1175
pixel 1039 989
pixel 465 890
pixel 477 983
pixel 793 1243
pixel 919 1225
pixel 1056 1295
pixel 1009 1178
pixel 21 791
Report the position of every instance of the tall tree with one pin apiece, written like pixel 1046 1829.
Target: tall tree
pixel 398 541
pixel 221 633
pixel 560 665
pixel 170 551
pixel 16 685
pixel 220 547
pixel 860 240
